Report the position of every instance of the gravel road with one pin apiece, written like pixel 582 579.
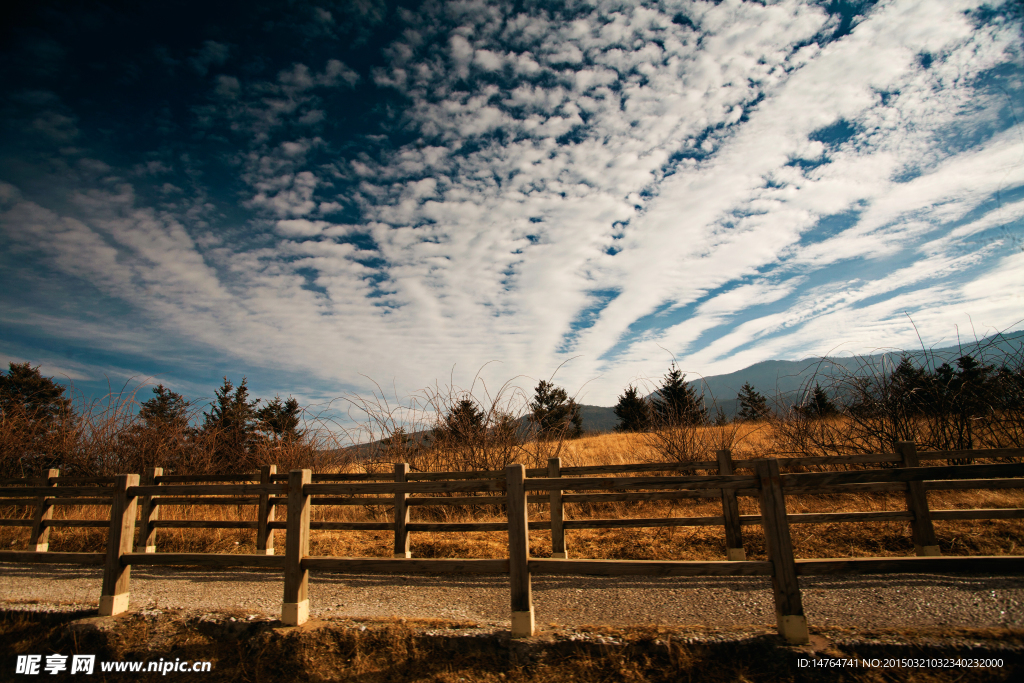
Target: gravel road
pixel 891 601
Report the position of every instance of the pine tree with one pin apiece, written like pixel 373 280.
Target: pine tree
pixel 462 424
pixel 281 418
pixel 232 419
pixel 958 399
pixel 753 406
pixel 24 391
pixel 819 405
pixel 677 402
pixel 37 417
pixel 633 412
pixel 397 439
pixel 166 409
pixel 554 414
pixel 908 386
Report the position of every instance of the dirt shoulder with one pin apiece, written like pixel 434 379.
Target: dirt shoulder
pixel 240 647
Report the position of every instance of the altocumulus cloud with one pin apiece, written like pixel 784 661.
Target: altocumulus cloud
pixel 342 191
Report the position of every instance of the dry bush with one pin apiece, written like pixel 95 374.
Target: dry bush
pixel 28 447
pixel 491 442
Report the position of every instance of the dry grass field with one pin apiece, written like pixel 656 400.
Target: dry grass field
pixel 981 537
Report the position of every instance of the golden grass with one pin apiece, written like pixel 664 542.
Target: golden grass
pixel 981 537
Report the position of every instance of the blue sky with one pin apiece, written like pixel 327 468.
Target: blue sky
pixel 321 196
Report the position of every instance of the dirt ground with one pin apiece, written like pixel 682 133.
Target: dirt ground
pixel 241 647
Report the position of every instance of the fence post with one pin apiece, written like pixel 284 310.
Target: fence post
pixel 734 551
pixel 922 531
pixel 265 514
pixel 519 552
pixel 558 549
pixel 150 513
pixel 401 513
pixel 295 610
pixel 789 608
pixel 40 539
pixel 116 577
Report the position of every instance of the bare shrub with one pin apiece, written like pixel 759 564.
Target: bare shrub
pixel 476 433
pixel 1005 426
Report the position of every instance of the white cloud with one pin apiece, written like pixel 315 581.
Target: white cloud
pixel 670 166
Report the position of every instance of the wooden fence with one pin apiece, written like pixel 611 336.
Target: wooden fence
pixel 136 501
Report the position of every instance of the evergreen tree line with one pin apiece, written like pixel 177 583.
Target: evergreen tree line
pixel 952 406
pixel 959 406
pixel 40 429
pixel 552 414
pixel 673 403
pixel 466 435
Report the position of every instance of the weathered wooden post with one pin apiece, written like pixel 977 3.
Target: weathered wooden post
pixel 922 531
pixel 149 514
pixel 40 539
pixel 734 551
pixel 265 514
pixel 789 608
pixel 117 577
pixel 402 513
pixel 295 610
pixel 519 552
pixel 558 549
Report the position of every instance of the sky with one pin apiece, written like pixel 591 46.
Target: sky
pixel 336 198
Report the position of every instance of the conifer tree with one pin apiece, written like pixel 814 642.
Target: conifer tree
pixel 720 419
pixel 36 417
pixel 908 386
pixel 753 405
pixel 462 424
pixel 819 405
pixel 232 419
pixel 677 402
pixel 633 412
pixel 958 399
pixel 281 419
pixel 167 409
pixel 24 391
pixel 554 414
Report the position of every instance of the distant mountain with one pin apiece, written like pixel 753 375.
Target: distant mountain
pixel 598 418
pixel 788 378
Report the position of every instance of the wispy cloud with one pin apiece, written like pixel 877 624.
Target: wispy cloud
pixel 727 181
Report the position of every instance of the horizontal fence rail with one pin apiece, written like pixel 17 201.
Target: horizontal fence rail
pixel 137 500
